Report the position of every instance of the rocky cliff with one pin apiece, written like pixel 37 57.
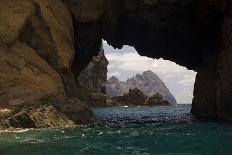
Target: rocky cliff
pixel 94 76
pixel 148 82
pixel 45 44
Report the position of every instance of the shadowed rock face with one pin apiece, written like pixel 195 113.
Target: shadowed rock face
pixel 192 33
pixel 44 44
pixel 94 76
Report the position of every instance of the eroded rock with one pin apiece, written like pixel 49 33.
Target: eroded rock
pixel 134 97
pixel 157 100
pixel 49 112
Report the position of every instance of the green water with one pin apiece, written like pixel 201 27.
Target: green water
pixel 131 130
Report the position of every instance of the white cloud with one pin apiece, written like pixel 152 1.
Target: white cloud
pixel 114 74
pixel 126 62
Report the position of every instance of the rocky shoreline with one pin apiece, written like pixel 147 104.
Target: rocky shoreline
pixel 48 112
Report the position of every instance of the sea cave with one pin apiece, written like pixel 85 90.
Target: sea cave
pixel 46 44
pixel 53 77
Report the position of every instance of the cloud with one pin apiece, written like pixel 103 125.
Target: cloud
pixel 114 74
pixel 126 62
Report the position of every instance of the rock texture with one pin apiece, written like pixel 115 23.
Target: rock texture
pixel 148 82
pixel 94 76
pixel 62 36
pixel 49 112
pixel 135 97
pixel 92 80
pixel 157 100
pixel 37 51
pixel 195 34
pixel 35 59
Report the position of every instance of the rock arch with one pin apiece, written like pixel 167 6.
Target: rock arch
pixel 51 41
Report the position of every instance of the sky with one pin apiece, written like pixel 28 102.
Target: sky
pixel 126 62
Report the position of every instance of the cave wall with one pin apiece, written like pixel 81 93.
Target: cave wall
pixel 192 33
pixel 45 44
pixel 213 87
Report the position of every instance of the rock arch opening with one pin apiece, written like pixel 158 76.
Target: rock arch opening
pixel 52 41
pixel 128 68
pixel 194 34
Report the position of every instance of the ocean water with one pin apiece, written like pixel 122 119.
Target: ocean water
pixel 127 130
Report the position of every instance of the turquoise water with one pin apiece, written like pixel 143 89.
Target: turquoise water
pixel 127 130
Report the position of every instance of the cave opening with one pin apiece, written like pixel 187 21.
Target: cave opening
pixel 127 70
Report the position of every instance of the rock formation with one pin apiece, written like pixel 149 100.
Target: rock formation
pixel 135 97
pixel 48 112
pixel 148 82
pixel 94 76
pixel 194 34
pixel 92 80
pixel 45 44
pixel 157 100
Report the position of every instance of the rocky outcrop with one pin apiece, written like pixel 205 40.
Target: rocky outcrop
pixel 94 76
pixel 114 87
pixel 97 99
pixel 36 48
pixel 148 82
pixel 92 80
pixel 135 97
pixel 45 44
pixel 49 112
pixel 157 100
pixel 194 34
pixel 36 56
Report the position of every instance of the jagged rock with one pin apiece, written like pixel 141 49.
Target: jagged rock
pixel 97 99
pixel 64 35
pixel 187 32
pixel 157 100
pixel 134 97
pixel 148 82
pixel 40 117
pixel 94 76
pixel 49 112
pixel 114 87
pixel 92 80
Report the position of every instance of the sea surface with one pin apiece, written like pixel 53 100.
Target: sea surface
pixel 127 130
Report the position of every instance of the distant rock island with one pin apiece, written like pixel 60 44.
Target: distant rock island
pixel 136 97
pixel 147 82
